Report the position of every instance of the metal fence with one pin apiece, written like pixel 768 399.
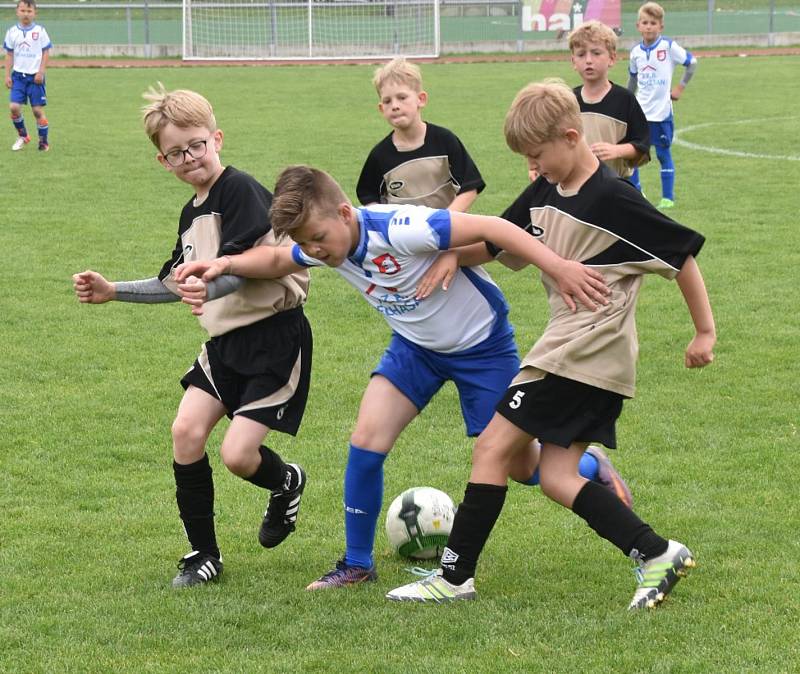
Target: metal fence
pixel 153 28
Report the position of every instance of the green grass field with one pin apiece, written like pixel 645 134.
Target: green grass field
pixel 89 532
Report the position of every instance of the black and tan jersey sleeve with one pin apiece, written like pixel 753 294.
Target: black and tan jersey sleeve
pixel 244 205
pixel 463 169
pixel 368 188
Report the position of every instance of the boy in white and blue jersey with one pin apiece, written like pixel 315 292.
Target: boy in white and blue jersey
pixel 461 335
pixel 27 46
pixel 652 63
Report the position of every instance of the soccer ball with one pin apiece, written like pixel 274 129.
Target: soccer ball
pixel 419 521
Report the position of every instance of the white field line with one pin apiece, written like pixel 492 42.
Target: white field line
pixel 731 153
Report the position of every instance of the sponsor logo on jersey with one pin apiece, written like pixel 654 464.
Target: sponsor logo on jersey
pixel 396 185
pixel 536 231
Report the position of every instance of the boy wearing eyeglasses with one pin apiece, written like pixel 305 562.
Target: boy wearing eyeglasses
pixel 255 368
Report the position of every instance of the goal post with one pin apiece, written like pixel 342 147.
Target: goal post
pixel 310 29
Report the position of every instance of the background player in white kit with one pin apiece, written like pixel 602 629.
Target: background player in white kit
pixel 27 46
pixel 462 335
pixel 652 63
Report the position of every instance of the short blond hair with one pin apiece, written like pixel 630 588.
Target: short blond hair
pixel 651 9
pixel 541 112
pixel 398 70
pixel 593 32
pixel 181 107
pixel 301 193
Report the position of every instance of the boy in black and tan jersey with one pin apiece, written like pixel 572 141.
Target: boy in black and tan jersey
pixel 614 124
pixel 571 385
pixel 256 366
pixel 418 162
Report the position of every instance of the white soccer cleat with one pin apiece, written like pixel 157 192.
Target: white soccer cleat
pixel 434 589
pixel 20 142
pixel 659 575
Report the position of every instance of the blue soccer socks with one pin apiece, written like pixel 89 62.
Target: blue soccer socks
pixel 363 497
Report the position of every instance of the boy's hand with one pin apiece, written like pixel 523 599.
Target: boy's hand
pixel 193 291
pixel 38 78
pixel 207 269
pixel 605 151
pixel 92 288
pixel 8 82
pixel 700 352
pixel 676 92
pixel 441 272
pixel 576 281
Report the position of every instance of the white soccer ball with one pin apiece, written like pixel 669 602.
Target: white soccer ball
pixel 419 521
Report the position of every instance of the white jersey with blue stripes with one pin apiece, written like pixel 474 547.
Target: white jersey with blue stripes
pixel 653 67
pixel 397 245
pixel 27 45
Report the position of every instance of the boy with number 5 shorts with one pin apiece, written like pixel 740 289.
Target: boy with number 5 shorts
pixel 462 335
pixel 571 386
pixel 255 368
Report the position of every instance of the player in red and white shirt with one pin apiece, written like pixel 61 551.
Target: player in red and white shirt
pixel 27 46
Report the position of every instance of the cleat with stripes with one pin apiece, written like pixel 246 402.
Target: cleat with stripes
pixel 608 476
pixel 659 575
pixel 20 142
pixel 434 589
pixel 281 516
pixel 197 568
pixel 342 576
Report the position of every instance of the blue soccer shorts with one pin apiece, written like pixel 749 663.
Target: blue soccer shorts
pixel 24 89
pixel 481 374
pixel 661 133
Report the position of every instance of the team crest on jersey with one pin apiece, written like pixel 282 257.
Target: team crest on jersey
pixel 35 35
pixel 396 185
pixel 661 54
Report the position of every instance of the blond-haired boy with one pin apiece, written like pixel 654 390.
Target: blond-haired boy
pixel 462 335
pixel 651 66
pixel 418 162
pixel 27 46
pixel 255 367
pixel 570 389
pixel 613 122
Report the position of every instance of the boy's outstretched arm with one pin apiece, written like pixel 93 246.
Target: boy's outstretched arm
pixel 257 262
pixel 700 351
pixel 575 281
pixel 444 268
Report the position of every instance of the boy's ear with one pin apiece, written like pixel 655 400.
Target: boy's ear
pixel 422 97
pixel 218 136
pixel 572 136
pixel 161 159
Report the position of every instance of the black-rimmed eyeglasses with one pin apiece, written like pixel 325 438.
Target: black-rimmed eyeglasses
pixel 196 150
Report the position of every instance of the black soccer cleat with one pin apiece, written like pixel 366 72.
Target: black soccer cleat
pixel 197 568
pixel 281 516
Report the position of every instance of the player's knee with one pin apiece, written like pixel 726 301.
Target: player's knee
pixel 188 436
pixel 372 439
pixel 239 460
